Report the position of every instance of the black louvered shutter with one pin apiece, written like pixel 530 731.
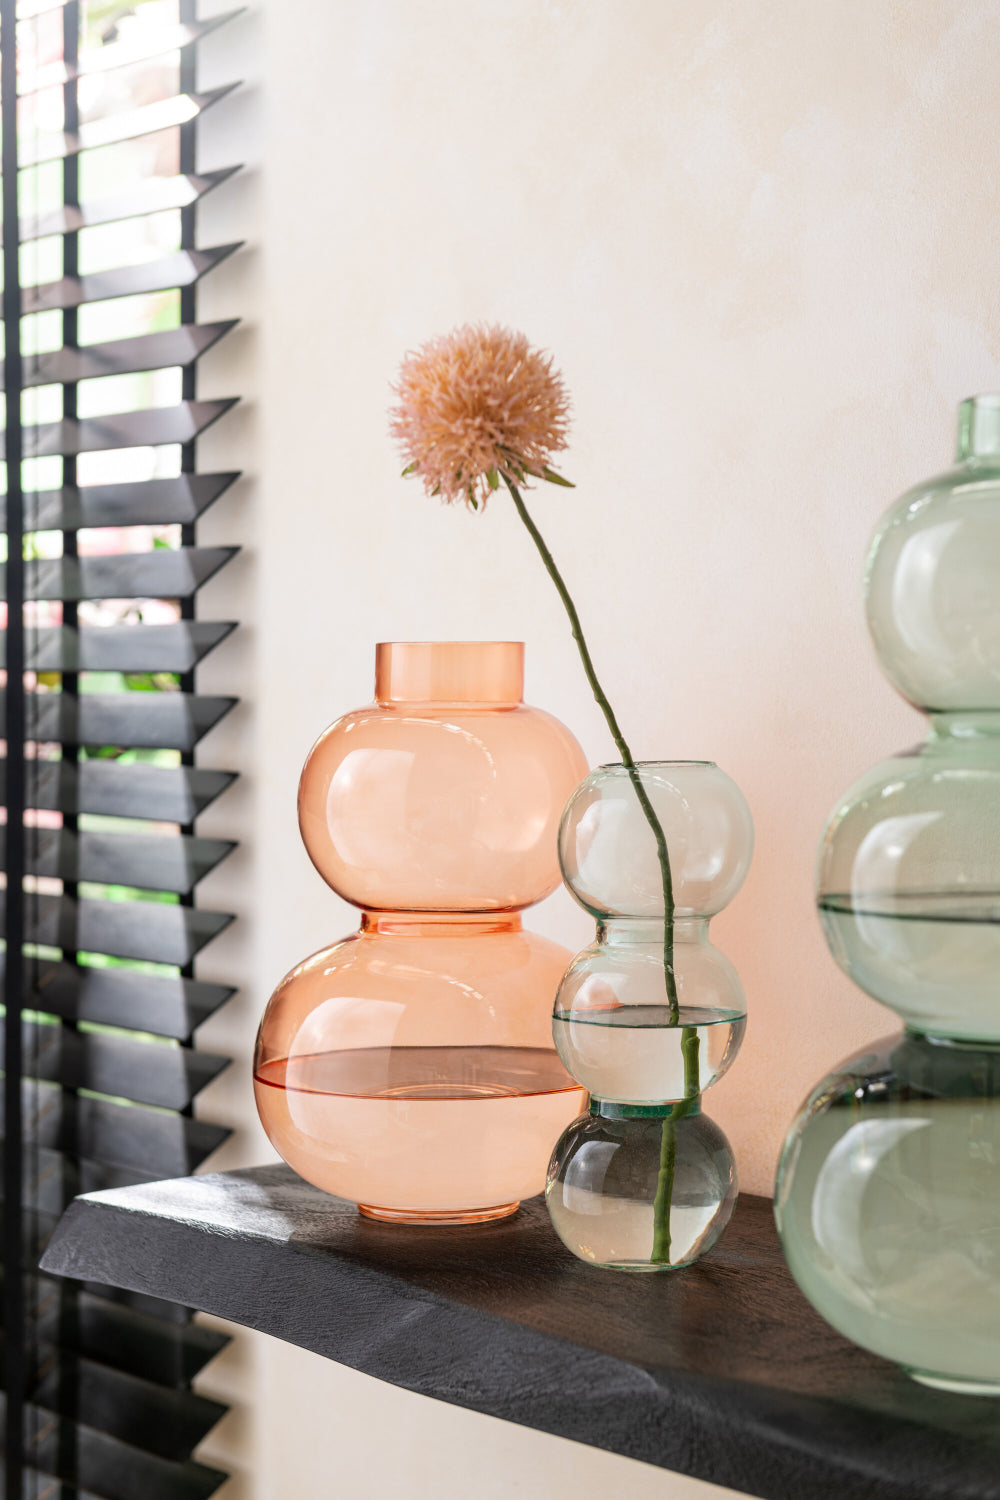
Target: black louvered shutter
pixel 101 721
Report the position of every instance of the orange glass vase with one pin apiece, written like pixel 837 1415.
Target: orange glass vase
pixel 410 1067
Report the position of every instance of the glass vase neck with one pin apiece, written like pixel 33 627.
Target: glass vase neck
pixel 615 1109
pixel 975 724
pixel 474 674
pixel 651 930
pixel 955 1047
pixel 979 428
pixel 439 924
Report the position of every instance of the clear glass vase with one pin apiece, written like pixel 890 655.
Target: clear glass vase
pixel 888 1199
pixel 410 1067
pixel 606 1173
pixel 644 1181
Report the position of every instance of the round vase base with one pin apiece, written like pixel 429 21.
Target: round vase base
pixel 638 1266
pixel 951 1383
pixel 438 1216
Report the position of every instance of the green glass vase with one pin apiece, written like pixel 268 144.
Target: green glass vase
pixel 888 1196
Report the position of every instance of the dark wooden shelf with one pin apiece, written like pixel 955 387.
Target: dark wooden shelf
pixel 721 1371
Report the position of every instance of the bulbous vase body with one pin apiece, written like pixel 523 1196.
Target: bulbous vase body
pixel 410 1067
pixel 887 1206
pixel 445 794
pixel 605 1175
pixel 644 1061
pixel 888 1200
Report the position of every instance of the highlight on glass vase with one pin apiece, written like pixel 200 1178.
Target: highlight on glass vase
pixel 888 1200
pixel 650 1015
pixel 410 1067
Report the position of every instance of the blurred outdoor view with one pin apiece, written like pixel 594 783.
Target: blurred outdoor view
pixel 114 102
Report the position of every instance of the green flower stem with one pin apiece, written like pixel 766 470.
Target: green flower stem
pixel 620 743
pixel 689 1044
pixel 664 1193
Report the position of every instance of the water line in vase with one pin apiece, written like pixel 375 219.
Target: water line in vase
pixel 689 1044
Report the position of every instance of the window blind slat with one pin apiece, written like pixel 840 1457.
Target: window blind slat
pixel 121 648
pixel 53 1178
pixel 168 1423
pixel 155 195
pixel 164 1353
pixel 181 269
pixel 43 1487
pixel 112 130
pixel 149 502
pixel 163 1075
pixel 110 1470
pixel 147 351
pixel 169 573
pixel 153 43
pixel 143 930
pixel 156 1003
pixel 148 862
pixel 168 794
pixel 125 1135
pixel 152 721
pixel 150 428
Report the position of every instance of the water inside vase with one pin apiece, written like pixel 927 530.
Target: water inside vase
pixel 604 1181
pixel 419 1132
pixel 632 1053
pixel 932 956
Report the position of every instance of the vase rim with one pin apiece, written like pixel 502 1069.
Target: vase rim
pixel 489 673
pixel 979 427
pixel 389 645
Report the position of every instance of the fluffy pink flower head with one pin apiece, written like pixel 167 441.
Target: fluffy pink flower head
pixel 477 405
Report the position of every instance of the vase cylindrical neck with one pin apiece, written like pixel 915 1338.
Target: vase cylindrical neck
pixel 651 929
pixel 473 674
pixel 972 724
pixel 979 428
pixel 616 1109
pixel 439 923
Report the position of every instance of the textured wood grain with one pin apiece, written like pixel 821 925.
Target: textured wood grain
pixel 721 1371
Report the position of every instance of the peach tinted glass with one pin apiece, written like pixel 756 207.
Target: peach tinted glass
pixel 445 794
pixel 412 1070
pixel 411 1066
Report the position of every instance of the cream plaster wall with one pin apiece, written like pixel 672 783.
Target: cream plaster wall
pixel 760 239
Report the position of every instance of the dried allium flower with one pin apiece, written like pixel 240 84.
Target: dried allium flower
pixel 477 405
